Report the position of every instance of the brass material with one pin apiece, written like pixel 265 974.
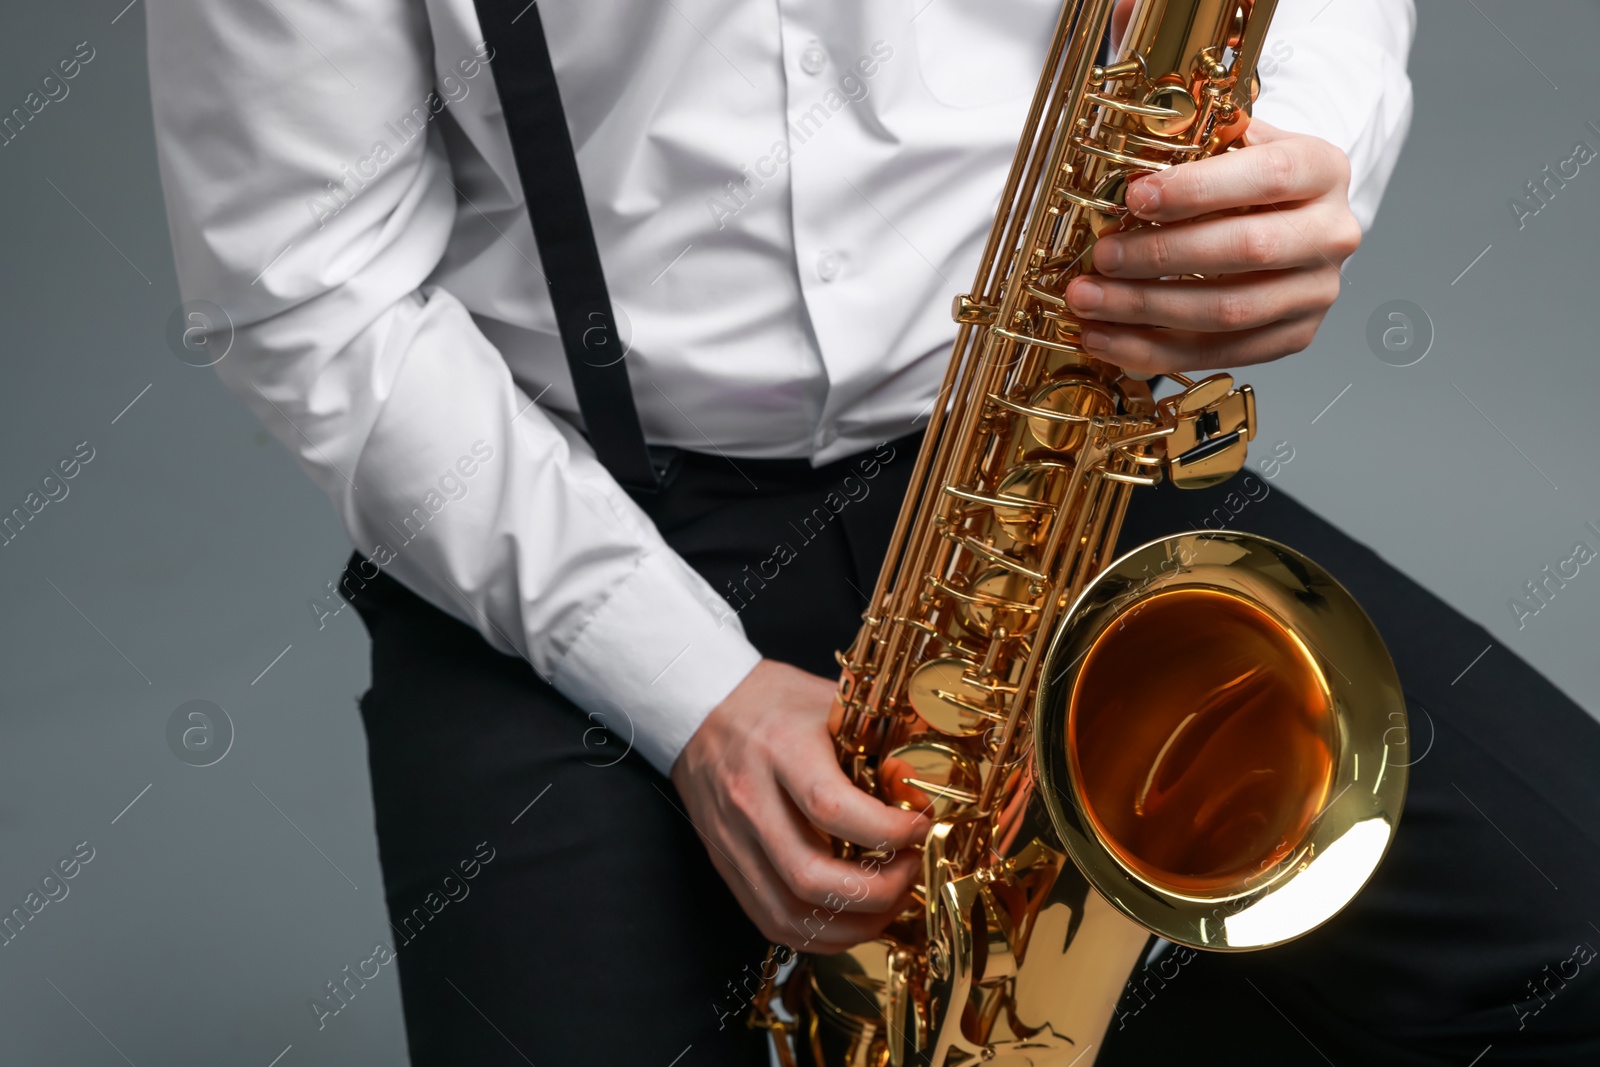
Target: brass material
pixel 1150 109
pixel 1026 524
pixel 1038 342
pixel 1113 190
pixel 946 702
pixel 1239 797
pixel 1179 107
pixel 1100 150
pixel 1084 397
pixel 929 776
pixel 1202 739
pixel 969 312
pixel 999 601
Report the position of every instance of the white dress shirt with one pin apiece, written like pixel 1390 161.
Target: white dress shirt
pixel 786 195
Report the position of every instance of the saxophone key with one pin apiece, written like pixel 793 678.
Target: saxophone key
pixel 930 777
pixel 943 697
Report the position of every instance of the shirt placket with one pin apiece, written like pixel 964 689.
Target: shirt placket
pixel 822 251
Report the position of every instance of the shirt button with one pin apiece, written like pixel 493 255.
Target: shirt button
pixel 828 266
pixel 813 59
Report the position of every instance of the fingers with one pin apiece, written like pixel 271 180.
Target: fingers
pixel 754 776
pixel 1279 170
pixel 784 876
pixel 1316 235
pixel 797 891
pixel 1119 21
pixel 1158 351
pixel 1237 302
pixel 814 875
pixel 1270 275
pixel 784 918
pixel 833 803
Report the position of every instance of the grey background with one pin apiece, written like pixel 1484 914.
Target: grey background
pixel 184 555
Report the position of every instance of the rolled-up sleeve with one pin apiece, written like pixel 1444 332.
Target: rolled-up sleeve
pixel 318 247
pixel 1336 69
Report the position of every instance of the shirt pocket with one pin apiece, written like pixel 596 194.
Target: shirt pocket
pixel 971 53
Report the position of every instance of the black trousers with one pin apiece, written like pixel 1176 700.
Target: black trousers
pixel 598 932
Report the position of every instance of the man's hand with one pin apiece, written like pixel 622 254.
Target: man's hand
pixel 1271 273
pixel 760 779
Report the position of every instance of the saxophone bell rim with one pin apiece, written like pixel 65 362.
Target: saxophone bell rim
pixel 1343 845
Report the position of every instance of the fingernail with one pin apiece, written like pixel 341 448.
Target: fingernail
pixel 1144 198
pixel 1096 340
pixel 1085 295
pixel 1108 254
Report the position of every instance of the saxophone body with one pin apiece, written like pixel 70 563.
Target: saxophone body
pixel 1203 739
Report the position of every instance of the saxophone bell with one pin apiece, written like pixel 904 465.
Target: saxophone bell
pixel 1200 734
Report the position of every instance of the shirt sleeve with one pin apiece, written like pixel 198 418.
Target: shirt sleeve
pixel 318 248
pixel 1336 69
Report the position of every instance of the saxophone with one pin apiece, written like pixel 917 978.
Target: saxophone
pixel 1204 739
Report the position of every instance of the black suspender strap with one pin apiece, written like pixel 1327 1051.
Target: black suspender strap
pixel 548 169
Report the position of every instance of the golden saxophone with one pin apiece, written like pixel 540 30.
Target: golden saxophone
pixel 1203 739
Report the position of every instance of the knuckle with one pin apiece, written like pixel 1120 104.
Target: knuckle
pixel 1259 243
pixel 1345 237
pixel 1135 301
pixel 1330 283
pixel 1295 339
pixel 741 793
pixel 1278 172
pixel 1301 336
pixel 1234 310
pixel 1159 251
pixel 810 883
pixel 782 920
pixel 821 803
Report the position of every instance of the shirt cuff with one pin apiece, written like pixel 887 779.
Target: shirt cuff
pixel 656 658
